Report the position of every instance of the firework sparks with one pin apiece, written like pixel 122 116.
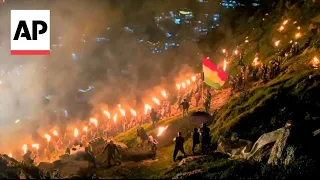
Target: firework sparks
pixel 277 43
pixel 298 35
pixel 193 78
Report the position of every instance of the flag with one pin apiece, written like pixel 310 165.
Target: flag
pixel 212 76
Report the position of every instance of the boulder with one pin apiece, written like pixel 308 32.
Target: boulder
pixel 46 166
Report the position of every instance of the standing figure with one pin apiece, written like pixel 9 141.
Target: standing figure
pixel 195 139
pixel 179 146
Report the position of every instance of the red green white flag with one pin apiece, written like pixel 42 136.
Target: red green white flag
pixel 212 76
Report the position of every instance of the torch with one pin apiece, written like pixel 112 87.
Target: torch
pixel 75 133
pixel 224 65
pixel 193 78
pixel 25 148
pixel 134 113
pixel 161 129
pixel 86 130
pixel 48 137
pixel 95 122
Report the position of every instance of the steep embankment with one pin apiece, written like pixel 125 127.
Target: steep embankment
pixel 164 162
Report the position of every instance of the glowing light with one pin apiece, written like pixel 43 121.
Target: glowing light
pixel 133 112
pixel 146 108
pixel 164 94
pixel 183 85
pixel 75 132
pixel 122 112
pixel 17 121
pixel 193 78
pixel 188 81
pixel 115 118
pixel 161 129
pixel 255 61
pixel 298 27
pixel 236 52
pixel 107 114
pixel 94 121
pixel 55 133
pixel 25 148
pixel 48 137
pixel 178 86
pixel 285 22
pixel 281 28
pixel 291 41
pixel 85 128
pixel 295 22
pixel 315 62
pixel 223 50
pixel 10 155
pixel 246 41
pixel 277 43
pixel 298 35
pixel 224 65
pixel 36 146
pixel 154 99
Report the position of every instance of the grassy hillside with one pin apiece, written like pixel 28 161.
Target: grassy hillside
pixel 292 95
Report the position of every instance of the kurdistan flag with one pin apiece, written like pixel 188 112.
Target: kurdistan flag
pixel 212 76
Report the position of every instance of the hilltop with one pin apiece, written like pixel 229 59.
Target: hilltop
pixel 265 107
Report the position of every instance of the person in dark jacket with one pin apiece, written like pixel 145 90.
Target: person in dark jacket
pixel 195 139
pixel 142 136
pixel 179 143
pixel 153 116
pixel 185 107
pixel 111 149
pixel 205 137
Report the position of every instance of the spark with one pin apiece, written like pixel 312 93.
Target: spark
pixel 94 121
pixel 48 137
pixel 146 108
pixel 85 128
pixel 24 148
pixel 133 112
pixel 164 94
pixel 36 146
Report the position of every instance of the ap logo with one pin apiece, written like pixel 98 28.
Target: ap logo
pixel 30 32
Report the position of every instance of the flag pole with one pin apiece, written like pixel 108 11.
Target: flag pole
pixel 202 89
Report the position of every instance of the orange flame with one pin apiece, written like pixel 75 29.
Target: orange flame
pixel 156 100
pixel 183 85
pixel 255 61
pixel 55 133
pixel 224 65
pixel 164 94
pixel 94 121
pixel 281 28
pixel 85 128
pixel 48 137
pixel 315 60
pixel 146 108
pixel 10 155
pixel 193 78
pixel 75 132
pixel 115 118
pixel 178 86
pixel 35 146
pixel 298 35
pixel 24 148
pixel 285 22
pixel 161 129
pixel 277 43
pixel 107 114
pixel 122 112
pixel 133 112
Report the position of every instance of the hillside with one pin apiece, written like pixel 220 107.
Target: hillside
pixel 292 95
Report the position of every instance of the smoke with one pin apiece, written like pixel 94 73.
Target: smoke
pixel 43 91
